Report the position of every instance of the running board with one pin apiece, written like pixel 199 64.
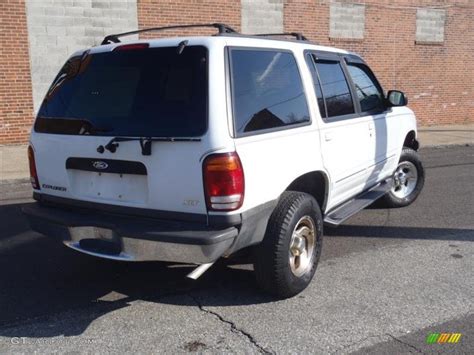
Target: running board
pixel 351 207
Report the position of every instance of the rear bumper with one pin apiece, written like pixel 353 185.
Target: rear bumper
pixel 131 238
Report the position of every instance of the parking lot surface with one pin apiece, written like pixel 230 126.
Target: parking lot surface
pixel 386 280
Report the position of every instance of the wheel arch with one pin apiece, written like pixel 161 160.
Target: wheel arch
pixel 315 183
pixel 411 141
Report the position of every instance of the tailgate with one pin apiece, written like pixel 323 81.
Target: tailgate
pixel 169 180
pixel 126 93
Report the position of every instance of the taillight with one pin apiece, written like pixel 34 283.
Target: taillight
pixel 223 182
pixel 33 173
pixel 131 47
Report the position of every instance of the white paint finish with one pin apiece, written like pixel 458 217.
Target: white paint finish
pixel 174 168
pixel 430 25
pixel 271 161
pixel 174 172
pixel 345 147
pixel 346 20
pixel 108 188
pixel 57 28
pixel 388 136
pixel 262 16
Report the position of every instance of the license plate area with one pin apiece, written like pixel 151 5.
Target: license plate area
pixel 109 186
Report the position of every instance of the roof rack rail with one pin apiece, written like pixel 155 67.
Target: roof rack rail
pixel 222 28
pixel 297 35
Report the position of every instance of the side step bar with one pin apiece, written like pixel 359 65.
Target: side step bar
pixel 351 207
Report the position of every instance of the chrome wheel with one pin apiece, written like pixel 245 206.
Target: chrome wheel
pixel 405 179
pixel 302 244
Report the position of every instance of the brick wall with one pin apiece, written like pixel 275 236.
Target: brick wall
pixel 156 13
pixel 58 28
pixel 434 65
pixel 262 16
pixel 16 108
pixel 437 77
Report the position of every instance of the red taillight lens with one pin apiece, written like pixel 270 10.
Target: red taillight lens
pixel 33 173
pixel 223 182
pixel 131 47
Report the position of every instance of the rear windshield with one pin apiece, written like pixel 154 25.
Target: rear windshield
pixel 151 92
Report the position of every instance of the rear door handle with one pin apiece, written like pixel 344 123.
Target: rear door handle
pixel 328 136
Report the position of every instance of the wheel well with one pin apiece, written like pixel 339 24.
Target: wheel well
pixel 410 141
pixel 314 183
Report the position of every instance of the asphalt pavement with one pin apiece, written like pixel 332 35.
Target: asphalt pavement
pixel 386 280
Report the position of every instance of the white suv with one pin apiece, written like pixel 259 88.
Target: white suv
pixel 193 148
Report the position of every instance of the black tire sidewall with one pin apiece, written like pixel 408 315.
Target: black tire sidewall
pixel 307 208
pixel 271 256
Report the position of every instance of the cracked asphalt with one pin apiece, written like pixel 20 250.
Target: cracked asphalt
pixel 386 279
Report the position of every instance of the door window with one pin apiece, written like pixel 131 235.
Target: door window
pixel 335 88
pixel 369 92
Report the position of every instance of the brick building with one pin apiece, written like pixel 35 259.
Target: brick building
pixel 423 47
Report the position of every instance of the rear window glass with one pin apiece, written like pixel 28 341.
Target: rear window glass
pixel 267 90
pixel 153 92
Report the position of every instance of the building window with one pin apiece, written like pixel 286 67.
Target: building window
pixel 346 20
pixel 430 25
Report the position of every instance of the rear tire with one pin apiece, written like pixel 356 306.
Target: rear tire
pixel 286 260
pixel 409 178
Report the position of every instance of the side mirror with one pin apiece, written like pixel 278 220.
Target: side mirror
pixel 397 98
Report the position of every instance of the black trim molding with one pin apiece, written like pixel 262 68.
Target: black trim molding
pixel 67 203
pixel 106 166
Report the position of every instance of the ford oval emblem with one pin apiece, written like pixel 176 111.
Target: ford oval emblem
pixel 100 165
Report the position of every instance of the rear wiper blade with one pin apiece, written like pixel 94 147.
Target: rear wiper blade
pixel 145 142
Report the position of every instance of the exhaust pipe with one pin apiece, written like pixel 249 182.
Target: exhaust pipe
pixel 197 272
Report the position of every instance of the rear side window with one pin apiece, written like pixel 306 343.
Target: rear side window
pixel 152 92
pixel 335 88
pixel 369 92
pixel 267 91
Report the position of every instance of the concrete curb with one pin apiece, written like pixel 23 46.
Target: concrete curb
pixel 443 146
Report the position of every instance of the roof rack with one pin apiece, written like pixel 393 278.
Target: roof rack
pixel 222 28
pixel 297 35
